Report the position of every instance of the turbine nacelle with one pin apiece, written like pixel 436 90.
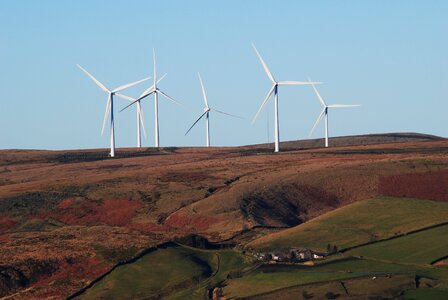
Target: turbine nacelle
pixel 109 105
pixel 324 112
pixel 206 110
pixel 156 91
pixel 149 91
pixel 275 84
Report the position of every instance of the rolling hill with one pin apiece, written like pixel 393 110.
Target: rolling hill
pixel 68 217
pixel 359 223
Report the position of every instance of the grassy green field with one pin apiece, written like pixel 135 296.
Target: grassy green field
pixel 382 287
pixel 150 275
pixel 262 282
pixel 358 223
pixel 230 261
pixel 386 270
pixel 419 248
pixel 276 277
pixel 425 294
pixel 173 273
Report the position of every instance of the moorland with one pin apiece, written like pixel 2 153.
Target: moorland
pixel 193 223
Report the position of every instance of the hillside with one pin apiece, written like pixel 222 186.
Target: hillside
pixel 149 275
pixel 67 217
pixel 369 139
pixel 362 222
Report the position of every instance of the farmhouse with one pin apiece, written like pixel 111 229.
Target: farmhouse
pixel 305 254
pixel 293 255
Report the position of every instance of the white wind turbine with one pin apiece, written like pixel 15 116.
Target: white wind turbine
pixel 156 91
pixel 140 121
pixel 325 113
pixel 207 110
pixel 110 105
pixel 274 89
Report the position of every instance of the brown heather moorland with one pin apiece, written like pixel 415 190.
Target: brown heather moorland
pixel 67 217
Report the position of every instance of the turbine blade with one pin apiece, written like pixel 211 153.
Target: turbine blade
pixel 297 83
pixel 168 97
pixel 203 91
pixel 147 92
pixel 318 94
pixel 203 114
pixel 125 97
pixel 343 105
pixel 106 112
pixel 264 102
pixel 265 67
pixel 224 113
pixel 138 99
pixel 155 70
pixel 317 121
pixel 125 86
pixel 98 83
pixel 151 89
pixel 158 80
pixel 142 121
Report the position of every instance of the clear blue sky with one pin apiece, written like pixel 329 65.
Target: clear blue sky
pixel 389 56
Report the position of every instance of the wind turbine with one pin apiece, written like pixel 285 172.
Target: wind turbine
pixel 325 113
pixel 274 90
pixel 140 122
pixel 207 110
pixel 156 91
pixel 110 105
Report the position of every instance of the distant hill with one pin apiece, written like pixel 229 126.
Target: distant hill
pixel 367 139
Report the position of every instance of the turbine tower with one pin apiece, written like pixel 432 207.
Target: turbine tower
pixel 274 90
pixel 325 113
pixel 110 105
pixel 207 110
pixel 156 91
pixel 140 122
